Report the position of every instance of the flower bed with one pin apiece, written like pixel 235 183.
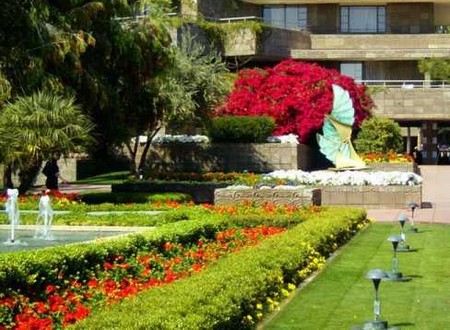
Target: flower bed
pixel 379 189
pixel 240 289
pixel 45 272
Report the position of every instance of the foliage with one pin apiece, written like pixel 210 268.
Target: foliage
pixel 33 127
pixel 243 285
pixel 111 266
pixel 438 69
pixel 185 93
pixel 121 277
pixel 241 129
pixel 297 95
pixel 126 197
pixel 94 50
pixel 380 135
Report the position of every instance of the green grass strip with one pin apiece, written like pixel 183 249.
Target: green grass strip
pixel 340 297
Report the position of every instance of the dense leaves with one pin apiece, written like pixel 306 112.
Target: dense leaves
pixel 381 135
pixel 297 95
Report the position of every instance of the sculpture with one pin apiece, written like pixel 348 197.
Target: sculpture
pixel 335 143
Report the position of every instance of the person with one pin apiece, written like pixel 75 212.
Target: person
pixel 51 171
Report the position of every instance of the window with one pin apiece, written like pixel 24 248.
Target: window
pixel 290 17
pixel 352 69
pixel 363 19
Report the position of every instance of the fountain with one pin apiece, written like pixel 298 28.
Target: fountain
pixel 44 219
pixel 12 209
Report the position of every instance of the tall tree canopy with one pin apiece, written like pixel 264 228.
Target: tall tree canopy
pixel 33 127
pixel 94 50
pixel 297 95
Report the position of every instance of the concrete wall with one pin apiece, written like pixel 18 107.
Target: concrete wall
pixel 413 104
pixel 223 157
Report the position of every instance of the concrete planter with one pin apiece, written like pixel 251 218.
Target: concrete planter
pixel 297 197
pixel 374 197
pixel 388 167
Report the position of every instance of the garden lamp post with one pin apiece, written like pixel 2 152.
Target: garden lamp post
pixel 394 274
pixel 376 275
pixel 413 206
pixel 402 246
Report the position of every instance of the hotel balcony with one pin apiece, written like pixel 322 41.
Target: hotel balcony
pixel 277 43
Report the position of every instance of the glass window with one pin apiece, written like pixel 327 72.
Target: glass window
pixel 290 17
pixel 352 69
pixel 363 19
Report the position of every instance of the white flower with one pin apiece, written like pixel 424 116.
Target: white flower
pixel 290 138
pixel 354 178
pixel 183 138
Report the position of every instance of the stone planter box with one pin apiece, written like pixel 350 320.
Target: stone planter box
pixel 388 167
pixel 297 197
pixel 371 197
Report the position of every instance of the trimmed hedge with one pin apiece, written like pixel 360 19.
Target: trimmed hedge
pixel 241 129
pixel 222 295
pixel 34 270
pixel 137 197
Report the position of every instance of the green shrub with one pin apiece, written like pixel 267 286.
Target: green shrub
pixel 132 197
pixel 379 135
pixel 241 129
pixel 222 295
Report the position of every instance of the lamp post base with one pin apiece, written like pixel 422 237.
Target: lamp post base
pixel 375 325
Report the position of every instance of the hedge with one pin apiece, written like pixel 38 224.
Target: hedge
pixel 223 294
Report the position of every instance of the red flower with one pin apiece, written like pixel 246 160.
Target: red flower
pixel 297 95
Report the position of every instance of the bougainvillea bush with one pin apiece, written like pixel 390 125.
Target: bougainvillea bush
pixel 297 95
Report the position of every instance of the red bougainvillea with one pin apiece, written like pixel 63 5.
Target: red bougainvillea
pixel 297 95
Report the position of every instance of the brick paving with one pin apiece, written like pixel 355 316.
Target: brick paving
pixel 435 193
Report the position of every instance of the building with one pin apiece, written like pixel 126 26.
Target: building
pixel 379 43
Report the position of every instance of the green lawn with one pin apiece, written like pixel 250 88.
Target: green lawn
pixel 340 297
pixel 107 178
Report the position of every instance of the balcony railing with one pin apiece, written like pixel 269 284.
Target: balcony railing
pixel 406 84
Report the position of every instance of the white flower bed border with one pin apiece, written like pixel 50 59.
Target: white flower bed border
pixel 347 178
pixel 182 138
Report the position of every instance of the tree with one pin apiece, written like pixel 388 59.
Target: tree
pixel 438 69
pixel 378 134
pixel 33 127
pixel 297 95
pixel 94 50
pixel 186 92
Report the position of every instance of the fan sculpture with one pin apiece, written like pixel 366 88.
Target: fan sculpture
pixel 335 143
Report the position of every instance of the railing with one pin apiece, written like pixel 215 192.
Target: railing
pixel 406 84
pixel 241 18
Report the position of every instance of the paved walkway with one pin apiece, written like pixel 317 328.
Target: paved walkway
pixel 435 191
pixel 76 188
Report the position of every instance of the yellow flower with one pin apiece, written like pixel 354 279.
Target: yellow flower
pixel 291 287
pixel 259 306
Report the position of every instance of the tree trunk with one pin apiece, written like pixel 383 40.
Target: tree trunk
pixel 28 176
pixel 7 177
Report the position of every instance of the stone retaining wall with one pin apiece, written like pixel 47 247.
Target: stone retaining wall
pixel 229 157
pixel 297 197
pixel 374 197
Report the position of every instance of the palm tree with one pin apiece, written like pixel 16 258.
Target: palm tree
pixel 33 127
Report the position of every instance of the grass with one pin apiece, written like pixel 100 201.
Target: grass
pixel 107 178
pixel 340 297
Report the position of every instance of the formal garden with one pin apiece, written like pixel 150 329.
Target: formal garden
pixel 239 216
